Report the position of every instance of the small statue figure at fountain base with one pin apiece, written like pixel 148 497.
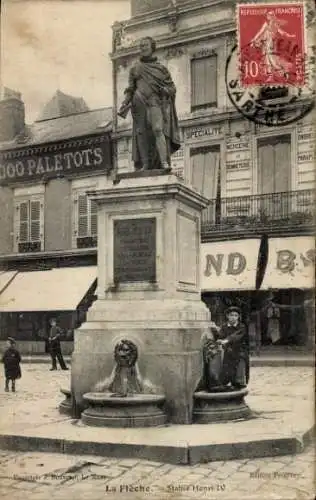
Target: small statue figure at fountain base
pixel 124 399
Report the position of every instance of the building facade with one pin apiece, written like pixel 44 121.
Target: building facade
pixel 258 249
pixel 48 226
pixel 257 244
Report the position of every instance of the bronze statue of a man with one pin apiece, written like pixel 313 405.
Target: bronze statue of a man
pixel 151 97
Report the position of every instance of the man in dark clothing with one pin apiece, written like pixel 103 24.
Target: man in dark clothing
pixel 54 346
pixel 11 360
pixel 234 338
pixel 226 354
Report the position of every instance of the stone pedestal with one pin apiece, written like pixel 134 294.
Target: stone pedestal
pixel 220 406
pixel 139 410
pixel 148 290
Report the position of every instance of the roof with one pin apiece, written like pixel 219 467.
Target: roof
pixel 61 105
pixel 62 128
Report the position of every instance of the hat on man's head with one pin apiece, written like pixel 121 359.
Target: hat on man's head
pixel 11 339
pixel 233 309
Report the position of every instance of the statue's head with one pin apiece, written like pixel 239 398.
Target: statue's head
pixel 147 46
pixel 125 353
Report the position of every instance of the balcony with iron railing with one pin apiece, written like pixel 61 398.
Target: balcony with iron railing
pixel 286 212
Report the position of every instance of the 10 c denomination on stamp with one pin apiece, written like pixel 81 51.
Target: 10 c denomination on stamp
pixel 271 44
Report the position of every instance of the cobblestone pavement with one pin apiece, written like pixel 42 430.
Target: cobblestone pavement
pixel 38 476
pixel 65 477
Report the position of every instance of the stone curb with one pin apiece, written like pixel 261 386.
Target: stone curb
pixel 184 455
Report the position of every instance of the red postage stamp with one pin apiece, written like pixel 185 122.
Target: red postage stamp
pixel 271 44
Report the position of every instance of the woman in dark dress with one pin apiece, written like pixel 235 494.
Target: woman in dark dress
pixel 11 360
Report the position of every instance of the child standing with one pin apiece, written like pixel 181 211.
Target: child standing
pixel 11 360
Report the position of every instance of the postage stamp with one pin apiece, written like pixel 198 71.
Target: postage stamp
pixel 291 104
pixel 271 44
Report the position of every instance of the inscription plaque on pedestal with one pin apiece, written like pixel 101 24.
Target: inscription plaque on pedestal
pixel 135 250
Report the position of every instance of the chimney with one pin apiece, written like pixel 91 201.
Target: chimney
pixel 12 115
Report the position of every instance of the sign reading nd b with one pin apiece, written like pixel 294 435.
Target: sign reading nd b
pixel 234 265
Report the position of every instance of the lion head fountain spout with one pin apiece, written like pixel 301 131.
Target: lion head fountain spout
pixel 124 399
pixel 125 379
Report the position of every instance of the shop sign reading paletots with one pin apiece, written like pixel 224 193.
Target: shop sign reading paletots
pixel 52 164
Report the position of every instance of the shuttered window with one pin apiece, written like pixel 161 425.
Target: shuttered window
pixel 86 221
pixel 93 218
pixel 274 175
pixel 204 82
pixel 29 225
pixel 24 221
pixel 205 171
pixel 206 177
pixel 83 216
pixel 274 164
pixel 35 216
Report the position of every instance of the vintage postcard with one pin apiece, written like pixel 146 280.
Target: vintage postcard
pixel 157 249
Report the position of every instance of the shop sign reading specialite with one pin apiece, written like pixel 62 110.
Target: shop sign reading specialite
pixel 200 132
pixel 71 160
pixel 229 265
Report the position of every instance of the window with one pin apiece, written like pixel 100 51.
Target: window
pixel 205 171
pixel 29 225
pixel 274 175
pixel 204 82
pixel 274 164
pixel 206 175
pixel 86 222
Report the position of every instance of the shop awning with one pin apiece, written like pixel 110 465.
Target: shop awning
pixel 229 265
pixel 59 289
pixel 5 278
pixel 290 263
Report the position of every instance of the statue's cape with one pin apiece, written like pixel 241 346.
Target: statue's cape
pixel 157 78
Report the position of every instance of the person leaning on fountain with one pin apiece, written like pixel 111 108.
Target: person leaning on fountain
pixel 150 96
pixel 226 354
